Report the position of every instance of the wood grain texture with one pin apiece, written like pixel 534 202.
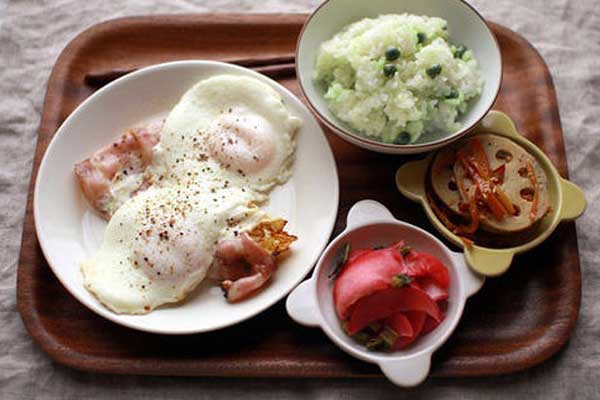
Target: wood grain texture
pixel 514 322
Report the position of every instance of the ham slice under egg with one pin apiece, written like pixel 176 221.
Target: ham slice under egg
pixel 242 266
pixel 246 263
pixel 128 155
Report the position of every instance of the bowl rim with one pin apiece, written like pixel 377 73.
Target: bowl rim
pixel 367 143
pixel 305 304
pixel 461 298
pixel 554 178
pixel 99 309
pixel 500 124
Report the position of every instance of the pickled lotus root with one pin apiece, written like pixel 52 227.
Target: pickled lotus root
pixel 490 182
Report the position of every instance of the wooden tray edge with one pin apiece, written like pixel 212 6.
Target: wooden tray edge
pixel 560 332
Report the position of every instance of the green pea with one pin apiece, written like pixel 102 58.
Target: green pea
pixel 421 37
pixel 434 70
pixel 460 51
pixel 403 138
pixel 452 95
pixel 389 70
pixel 392 54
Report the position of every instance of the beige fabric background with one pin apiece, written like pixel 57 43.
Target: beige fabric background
pixel 32 34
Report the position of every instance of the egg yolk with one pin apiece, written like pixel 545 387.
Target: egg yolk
pixel 244 142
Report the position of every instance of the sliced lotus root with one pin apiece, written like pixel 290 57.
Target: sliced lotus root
pixel 453 187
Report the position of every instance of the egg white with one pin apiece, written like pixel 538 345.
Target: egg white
pixel 159 245
pixel 229 130
pixel 223 147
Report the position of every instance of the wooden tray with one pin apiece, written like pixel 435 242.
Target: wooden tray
pixel 515 322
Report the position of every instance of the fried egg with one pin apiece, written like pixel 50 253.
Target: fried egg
pixel 229 130
pixel 159 245
pixel 222 148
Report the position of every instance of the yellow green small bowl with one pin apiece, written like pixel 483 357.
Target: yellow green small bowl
pixel 567 199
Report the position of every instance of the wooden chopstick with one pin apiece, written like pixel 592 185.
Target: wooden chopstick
pixel 273 67
pixel 277 71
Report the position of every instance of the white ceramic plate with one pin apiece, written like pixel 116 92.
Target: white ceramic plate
pixel 69 231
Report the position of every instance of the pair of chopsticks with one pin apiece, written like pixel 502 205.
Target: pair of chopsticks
pixel 274 67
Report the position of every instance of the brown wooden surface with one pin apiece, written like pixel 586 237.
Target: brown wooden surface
pixel 514 322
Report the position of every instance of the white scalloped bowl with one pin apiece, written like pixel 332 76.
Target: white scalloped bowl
pixel 370 224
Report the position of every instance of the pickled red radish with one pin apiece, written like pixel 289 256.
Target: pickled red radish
pixel 416 320
pixel 390 301
pixel 429 325
pixel 354 254
pixel 365 275
pixel 389 297
pixel 400 323
pixel 427 265
pixel 433 290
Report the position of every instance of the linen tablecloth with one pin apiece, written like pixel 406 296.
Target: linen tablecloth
pixel 32 34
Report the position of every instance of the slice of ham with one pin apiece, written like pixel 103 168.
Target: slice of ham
pixel 131 153
pixel 230 250
pixel 244 287
pixel 242 266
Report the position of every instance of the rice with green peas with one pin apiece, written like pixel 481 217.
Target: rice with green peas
pixel 396 77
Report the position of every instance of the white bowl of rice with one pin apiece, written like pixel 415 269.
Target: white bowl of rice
pixel 398 77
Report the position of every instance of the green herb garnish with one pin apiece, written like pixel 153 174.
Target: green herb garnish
pixel 362 337
pixel 401 280
pixel 404 250
pixel 374 327
pixel 375 344
pixel 384 341
pixel 341 260
pixel 389 336
pixel 345 327
pixel 421 37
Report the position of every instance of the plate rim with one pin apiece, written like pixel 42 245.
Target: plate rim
pixel 82 107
